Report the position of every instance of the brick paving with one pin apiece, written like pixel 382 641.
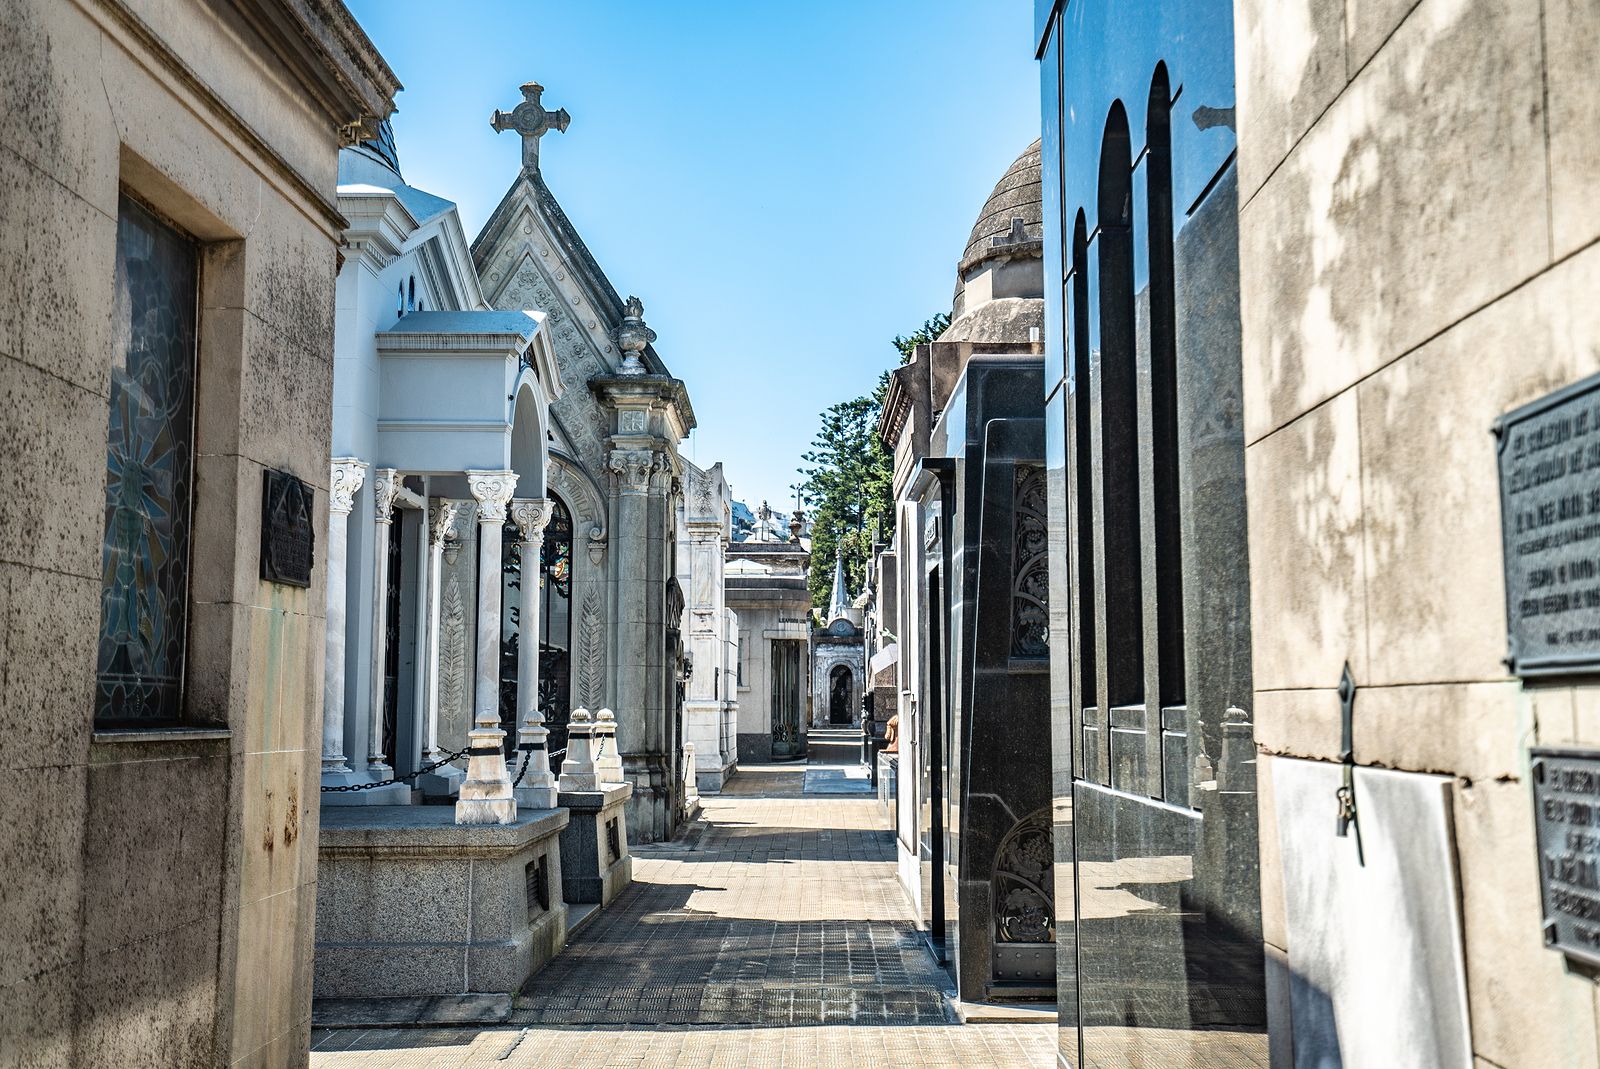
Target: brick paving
pixel 772 935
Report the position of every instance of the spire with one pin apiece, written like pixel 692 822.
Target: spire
pixel 841 596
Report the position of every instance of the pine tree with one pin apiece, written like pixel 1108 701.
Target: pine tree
pixel 848 479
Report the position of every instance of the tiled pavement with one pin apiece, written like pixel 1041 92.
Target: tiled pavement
pixel 773 936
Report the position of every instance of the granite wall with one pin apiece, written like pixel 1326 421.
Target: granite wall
pixel 158 908
pixel 1418 255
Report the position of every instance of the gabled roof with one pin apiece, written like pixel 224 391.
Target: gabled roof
pixel 576 255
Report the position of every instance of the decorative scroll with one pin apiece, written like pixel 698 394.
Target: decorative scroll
pixel 1030 587
pixel 1024 895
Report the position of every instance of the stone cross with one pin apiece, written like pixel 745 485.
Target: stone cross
pixel 532 121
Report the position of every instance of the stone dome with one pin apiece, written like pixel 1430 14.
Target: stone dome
pixel 1000 280
pixel 1016 196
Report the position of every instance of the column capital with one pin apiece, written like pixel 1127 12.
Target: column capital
pixel 385 486
pixel 444 518
pixel 530 515
pixel 634 467
pixel 345 478
pixel 492 490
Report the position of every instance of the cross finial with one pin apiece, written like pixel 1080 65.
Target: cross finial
pixel 532 121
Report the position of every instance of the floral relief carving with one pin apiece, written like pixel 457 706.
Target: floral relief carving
pixel 345 479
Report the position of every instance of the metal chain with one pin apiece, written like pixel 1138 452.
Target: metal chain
pixel 399 779
pixel 527 759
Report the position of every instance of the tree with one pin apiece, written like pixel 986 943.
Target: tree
pixel 848 479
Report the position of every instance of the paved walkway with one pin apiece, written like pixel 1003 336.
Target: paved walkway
pixel 772 935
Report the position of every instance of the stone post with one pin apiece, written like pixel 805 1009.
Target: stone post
pixel 577 770
pixel 538 787
pixel 441 528
pixel 608 759
pixel 385 485
pixel 345 479
pixel 486 796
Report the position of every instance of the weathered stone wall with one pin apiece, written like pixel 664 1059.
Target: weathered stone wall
pixel 158 908
pixel 1418 227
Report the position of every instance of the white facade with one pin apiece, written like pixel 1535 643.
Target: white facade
pixel 710 629
pixel 440 419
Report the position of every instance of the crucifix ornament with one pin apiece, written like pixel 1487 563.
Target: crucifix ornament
pixel 532 121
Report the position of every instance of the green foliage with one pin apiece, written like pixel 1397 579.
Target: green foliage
pixel 848 478
pixel 929 331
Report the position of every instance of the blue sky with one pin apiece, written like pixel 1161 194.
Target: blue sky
pixel 787 186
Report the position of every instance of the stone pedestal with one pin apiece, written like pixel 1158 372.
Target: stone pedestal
pixel 411 903
pixel 595 844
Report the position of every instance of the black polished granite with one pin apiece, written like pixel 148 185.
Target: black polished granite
pixel 1153 758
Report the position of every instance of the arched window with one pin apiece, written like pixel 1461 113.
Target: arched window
pixel 555 630
pixel 411 294
pixel 400 300
pixel 1164 393
pixel 1083 453
pixel 1119 418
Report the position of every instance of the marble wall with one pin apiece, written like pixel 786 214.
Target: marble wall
pixel 159 909
pixel 1417 254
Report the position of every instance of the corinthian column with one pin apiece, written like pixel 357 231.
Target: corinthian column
pixel 344 480
pixel 538 787
pixel 385 485
pixel 486 793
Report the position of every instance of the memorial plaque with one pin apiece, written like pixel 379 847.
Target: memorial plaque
pixel 1550 524
pixel 287 535
pixel 1566 808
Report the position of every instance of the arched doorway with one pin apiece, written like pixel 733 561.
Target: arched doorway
pixel 555 630
pixel 841 695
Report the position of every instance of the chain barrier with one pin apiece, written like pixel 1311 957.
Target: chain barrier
pixel 527 759
pixel 399 779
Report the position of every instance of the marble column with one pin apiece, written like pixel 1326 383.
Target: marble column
pixel 538 787
pixel 345 479
pixel 385 485
pixel 486 796
pixel 440 528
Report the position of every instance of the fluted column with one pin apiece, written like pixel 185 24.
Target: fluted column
pixel 537 789
pixel 486 796
pixel 385 485
pixel 344 481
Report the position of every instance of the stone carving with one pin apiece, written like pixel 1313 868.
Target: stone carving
pixel 1030 588
pixel 632 337
pixel 532 121
pixel 346 477
pixel 442 520
pixel 385 487
pixel 452 652
pixel 702 495
pixel 530 515
pixel 591 657
pixel 632 422
pixel 634 467
pixel 492 490
pixel 1024 897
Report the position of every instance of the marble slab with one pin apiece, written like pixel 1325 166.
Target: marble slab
pixel 1378 979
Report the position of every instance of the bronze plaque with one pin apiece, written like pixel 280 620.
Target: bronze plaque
pixel 1550 524
pixel 1566 814
pixel 288 538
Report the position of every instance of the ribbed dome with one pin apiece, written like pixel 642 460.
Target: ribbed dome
pixel 1016 196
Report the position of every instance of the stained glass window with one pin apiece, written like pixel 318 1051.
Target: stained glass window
pixel 149 473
